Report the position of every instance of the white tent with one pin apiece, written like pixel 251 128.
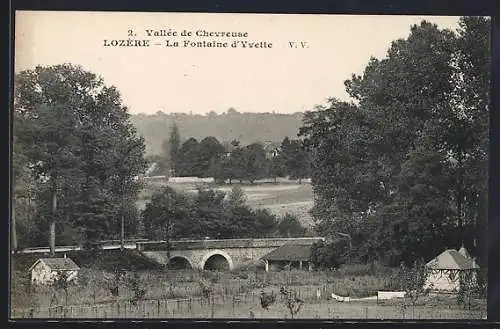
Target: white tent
pixel 446 268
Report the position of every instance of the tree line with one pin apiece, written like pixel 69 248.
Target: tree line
pixel 400 171
pixel 245 127
pixel 232 161
pixel 211 213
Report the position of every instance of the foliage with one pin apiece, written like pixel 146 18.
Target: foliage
pixel 328 255
pixel 233 161
pixel 470 286
pixel 277 167
pixel 134 284
pixel 255 162
pixel 412 282
pixel 171 214
pixel 189 154
pixel 291 301
pixel 289 227
pixel 79 145
pixel 236 198
pixel 246 127
pixel 401 168
pixel 173 148
pixel 208 215
pixel 295 157
pixel 209 153
pixel 167 215
pixel 62 282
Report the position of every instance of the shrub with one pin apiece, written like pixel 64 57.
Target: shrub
pixel 290 227
pixel 327 255
pixel 370 269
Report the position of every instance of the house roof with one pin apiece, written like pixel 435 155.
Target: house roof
pixel 451 260
pixel 290 252
pixel 269 147
pixel 58 263
pixel 464 252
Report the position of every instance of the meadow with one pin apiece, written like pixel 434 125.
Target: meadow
pixel 235 294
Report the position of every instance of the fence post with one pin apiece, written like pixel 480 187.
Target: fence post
pixel 158 307
pixel 234 301
pixel 213 310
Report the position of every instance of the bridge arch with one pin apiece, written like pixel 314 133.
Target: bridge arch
pixel 216 258
pixel 180 262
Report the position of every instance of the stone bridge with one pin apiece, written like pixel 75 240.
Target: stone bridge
pixel 224 254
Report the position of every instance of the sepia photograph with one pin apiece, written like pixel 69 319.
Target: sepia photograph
pixel 249 166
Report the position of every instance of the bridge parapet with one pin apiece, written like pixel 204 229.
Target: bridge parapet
pixel 225 243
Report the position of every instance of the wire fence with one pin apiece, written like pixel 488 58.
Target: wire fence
pixel 244 306
pixel 167 308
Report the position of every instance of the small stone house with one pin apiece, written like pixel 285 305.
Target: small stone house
pixel 46 270
pixel 446 268
pixel 289 256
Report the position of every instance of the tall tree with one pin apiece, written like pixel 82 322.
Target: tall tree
pixel 209 216
pixel 382 166
pixel 468 138
pixel 255 162
pixel 164 162
pixel 76 131
pixel 233 164
pixel 189 157
pixel 289 227
pixel 277 166
pixel 296 158
pixel 174 146
pixel 21 184
pixel 167 216
pixel 209 152
pixel 54 154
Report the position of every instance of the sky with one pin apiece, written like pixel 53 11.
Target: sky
pixel 197 80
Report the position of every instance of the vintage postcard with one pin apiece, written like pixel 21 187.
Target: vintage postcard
pixel 249 166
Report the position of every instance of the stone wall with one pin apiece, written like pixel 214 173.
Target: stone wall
pixel 224 243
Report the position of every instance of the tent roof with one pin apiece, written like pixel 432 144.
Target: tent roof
pixel 451 260
pixel 464 252
pixel 290 252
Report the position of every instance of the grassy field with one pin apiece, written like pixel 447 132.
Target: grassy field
pixel 178 294
pixel 246 306
pixel 279 199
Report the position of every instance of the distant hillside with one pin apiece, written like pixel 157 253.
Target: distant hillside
pixel 245 127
